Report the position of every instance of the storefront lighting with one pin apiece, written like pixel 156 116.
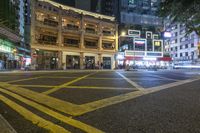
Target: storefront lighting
pixel 149 58
pixel 120 57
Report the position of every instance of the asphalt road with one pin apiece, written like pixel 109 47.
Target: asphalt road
pixel 101 101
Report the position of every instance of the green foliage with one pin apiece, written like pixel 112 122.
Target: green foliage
pixel 182 11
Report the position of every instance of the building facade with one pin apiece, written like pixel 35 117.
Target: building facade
pixel 182 47
pixel 142 50
pixel 141 11
pixel 64 37
pixel 13 50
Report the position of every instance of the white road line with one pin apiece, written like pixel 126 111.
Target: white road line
pixel 170 85
pixel 131 82
pixel 5 126
pixel 157 76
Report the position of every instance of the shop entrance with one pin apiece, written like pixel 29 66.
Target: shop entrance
pixel 89 62
pixel 106 62
pixel 47 60
pixel 72 62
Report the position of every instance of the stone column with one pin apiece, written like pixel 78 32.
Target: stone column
pixel 82 60
pixel 60 62
pixel 60 38
pixel 82 34
pixel 100 37
pixel 116 38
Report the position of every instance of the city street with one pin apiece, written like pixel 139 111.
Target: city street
pixel 165 101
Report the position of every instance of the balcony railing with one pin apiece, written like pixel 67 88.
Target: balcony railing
pixel 50 22
pixel 71 27
pixel 46 42
pixel 108 33
pixel 90 30
pixel 108 46
pixel 92 45
pixel 72 45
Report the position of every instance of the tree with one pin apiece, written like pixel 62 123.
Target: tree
pixel 182 11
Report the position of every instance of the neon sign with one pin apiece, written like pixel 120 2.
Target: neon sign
pixel 5 46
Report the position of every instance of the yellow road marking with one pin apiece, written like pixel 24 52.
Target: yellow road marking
pixel 54 114
pixel 57 104
pixel 42 86
pixel 13 81
pixel 105 78
pixel 35 119
pixel 96 87
pixel 78 87
pixel 131 82
pixel 76 110
pixel 66 84
pixel 59 77
pixel 124 97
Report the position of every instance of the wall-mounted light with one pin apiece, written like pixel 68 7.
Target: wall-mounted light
pixel 123 33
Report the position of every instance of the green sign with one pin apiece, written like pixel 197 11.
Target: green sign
pixel 5 46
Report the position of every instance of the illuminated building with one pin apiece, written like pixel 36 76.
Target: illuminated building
pixel 13 49
pixel 64 37
pixel 182 47
pixel 142 50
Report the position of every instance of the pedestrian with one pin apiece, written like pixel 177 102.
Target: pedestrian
pixel 101 65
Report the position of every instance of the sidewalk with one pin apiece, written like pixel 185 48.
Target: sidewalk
pixel 5 127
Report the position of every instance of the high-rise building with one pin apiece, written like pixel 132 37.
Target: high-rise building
pixel 140 40
pixel 13 51
pixel 182 47
pixel 105 7
pixel 139 14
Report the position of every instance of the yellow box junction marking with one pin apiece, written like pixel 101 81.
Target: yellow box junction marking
pixel 57 104
pixel 67 120
pixel 66 84
pixel 76 110
pixel 13 81
pixel 35 119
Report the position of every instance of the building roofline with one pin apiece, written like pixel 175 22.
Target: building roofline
pixel 80 11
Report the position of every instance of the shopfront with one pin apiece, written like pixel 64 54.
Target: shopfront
pixel 8 56
pixel 73 62
pixel 89 62
pixel 45 60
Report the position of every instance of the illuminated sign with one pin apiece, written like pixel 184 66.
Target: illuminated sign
pixel 167 34
pixel 154 54
pixel 5 46
pixel 150 58
pixel 135 33
pixel 140 42
pixel 149 34
pixel 157 43
pixel 155 36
